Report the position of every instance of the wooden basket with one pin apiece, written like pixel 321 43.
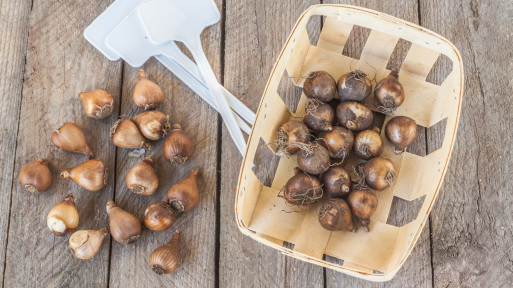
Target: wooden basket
pixel 376 255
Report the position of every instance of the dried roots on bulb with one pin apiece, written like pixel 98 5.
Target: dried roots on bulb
pixel 368 144
pixel 318 115
pixel 315 160
pixel 389 93
pixel 302 189
pixel 292 137
pixel 320 85
pixel 338 141
pixel 354 86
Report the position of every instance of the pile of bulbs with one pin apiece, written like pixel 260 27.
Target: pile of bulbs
pixel 324 139
pixel 91 175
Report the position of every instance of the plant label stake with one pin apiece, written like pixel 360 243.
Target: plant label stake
pixel 104 34
pixel 174 20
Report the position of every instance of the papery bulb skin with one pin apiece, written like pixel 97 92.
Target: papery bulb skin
pixel 63 217
pixel 166 258
pixel 36 177
pixel 184 195
pixel 70 138
pixel 97 103
pixel 142 179
pixel 146 94
pixel 90 175
pixel 178 146
pixel 125 134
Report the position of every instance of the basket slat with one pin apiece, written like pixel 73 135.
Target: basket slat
pixel 419 61
pixel 302 45
pixel 312 239
pixel 268 209
pixel 334 35
pixel 371 250
pixel 376 52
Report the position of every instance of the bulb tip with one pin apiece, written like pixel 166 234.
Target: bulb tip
pixel 64 174
pixel 69 198
pixel 148 160
pixel 194 171
pixel 110 205
pixel 345 188
pixel 177 126
pixel 394 72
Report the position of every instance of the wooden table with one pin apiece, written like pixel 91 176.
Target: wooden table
pixel 45 62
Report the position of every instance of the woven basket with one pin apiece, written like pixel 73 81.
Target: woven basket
pixel 376 255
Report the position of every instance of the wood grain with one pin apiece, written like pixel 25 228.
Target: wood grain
pixel 60 64
pixel 255 34
pixel 14 35
pixel 45 62
pixel 419 261
pixel 471 220
pixel 129 264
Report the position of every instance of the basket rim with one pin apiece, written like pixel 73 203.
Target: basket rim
pixel 373 277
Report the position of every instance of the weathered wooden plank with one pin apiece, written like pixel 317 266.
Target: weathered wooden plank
pixel 129 264
pixel 418 263
pixel 60 64
pixel 255 34
pixel 471 225
pixel 14 34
